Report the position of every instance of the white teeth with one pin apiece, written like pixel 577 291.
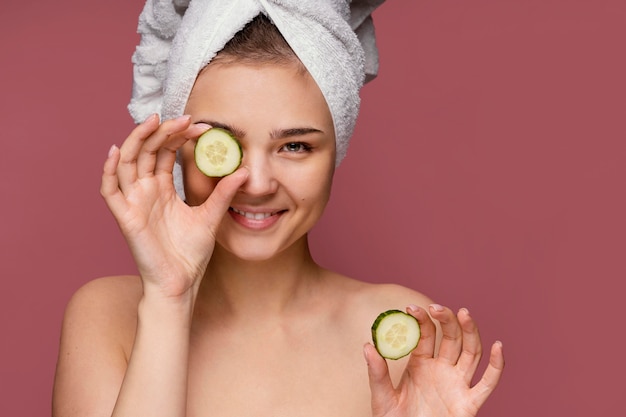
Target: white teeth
pixel 253 216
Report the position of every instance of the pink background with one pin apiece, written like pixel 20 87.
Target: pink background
pixel 487 170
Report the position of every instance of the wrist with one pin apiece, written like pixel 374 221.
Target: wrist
pixel 169 288
pixel 164 309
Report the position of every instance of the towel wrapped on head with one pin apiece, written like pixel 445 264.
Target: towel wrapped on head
pixel 334 40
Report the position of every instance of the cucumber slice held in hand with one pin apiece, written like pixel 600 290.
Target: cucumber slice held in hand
pixel 395 334
pixel 217 153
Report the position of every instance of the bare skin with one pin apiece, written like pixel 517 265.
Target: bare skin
pixel 230 314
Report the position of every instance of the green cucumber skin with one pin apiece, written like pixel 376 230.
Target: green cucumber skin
pixel 375 325
pixel 239 148
pixel 380 317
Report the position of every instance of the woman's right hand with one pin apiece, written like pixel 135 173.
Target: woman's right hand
pixel 171 242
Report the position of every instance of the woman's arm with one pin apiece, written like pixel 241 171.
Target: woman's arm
pixel 171 244
pixel 122 353
pixel 155 382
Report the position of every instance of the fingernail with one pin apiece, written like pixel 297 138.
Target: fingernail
pixel 203 125
pixel 151 117
pixel 413 308
pixel 464 310
pixel 111 150
pixel 183 118
pixel 436 307
pixel 366 355
pixel 200 127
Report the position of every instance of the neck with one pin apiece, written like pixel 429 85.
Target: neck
pixel 264 288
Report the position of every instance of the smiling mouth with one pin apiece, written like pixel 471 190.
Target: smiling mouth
pixel 254 216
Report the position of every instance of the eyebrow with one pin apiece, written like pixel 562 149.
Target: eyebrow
pixel 274 134
pixel 297 131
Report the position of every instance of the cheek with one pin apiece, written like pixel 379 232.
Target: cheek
pixel 314 186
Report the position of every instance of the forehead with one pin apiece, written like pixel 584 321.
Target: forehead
pixel 258 91
pixel 225 73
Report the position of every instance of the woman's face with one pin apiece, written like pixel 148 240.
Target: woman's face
pixel 286 132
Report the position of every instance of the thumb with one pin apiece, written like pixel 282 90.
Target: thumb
pixel 381 387
pixel 217 204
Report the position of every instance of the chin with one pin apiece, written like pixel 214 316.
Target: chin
pixel 249 251
pixel 261 250
pixel 261 255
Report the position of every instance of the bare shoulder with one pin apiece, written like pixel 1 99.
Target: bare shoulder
pixel 103 312
pixel 361 302
pixel 108 301
pixel 98 331
pixel 117 289
pixel 396 296
pixel 381 297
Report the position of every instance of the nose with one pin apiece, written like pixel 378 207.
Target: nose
pixel 261 178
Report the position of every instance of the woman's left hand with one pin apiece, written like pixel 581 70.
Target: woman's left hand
pixel 436 386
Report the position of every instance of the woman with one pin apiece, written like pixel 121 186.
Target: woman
pixel 230 315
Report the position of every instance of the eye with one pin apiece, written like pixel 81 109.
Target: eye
pixel 296 147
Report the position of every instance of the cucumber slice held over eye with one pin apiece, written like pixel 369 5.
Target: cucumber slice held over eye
pixel 217 153
pixel 395 334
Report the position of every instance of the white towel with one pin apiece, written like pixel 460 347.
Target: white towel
pixel 334 39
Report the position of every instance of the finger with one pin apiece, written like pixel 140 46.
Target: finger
pixel 109 188
pixel 428 335
pixel 129 151
pixel 491 376
pixel 452 337
pixel 472 346
pixel 380 383
pixel 147 154
pixel 166 156
pixel 217 204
